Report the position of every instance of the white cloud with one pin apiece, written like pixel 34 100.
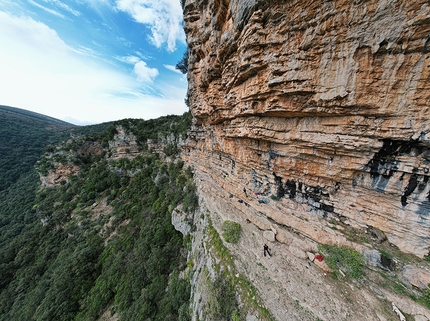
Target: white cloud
pixel 39 72
pixel 18 31
pixel 164 18
pixel 10 6
pixel 144 73
pixel 172 68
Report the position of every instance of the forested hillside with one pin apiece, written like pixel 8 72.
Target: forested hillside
pixel 98 242
pixel 23 135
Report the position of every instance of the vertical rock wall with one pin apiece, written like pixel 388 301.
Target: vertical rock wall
pixel 319 110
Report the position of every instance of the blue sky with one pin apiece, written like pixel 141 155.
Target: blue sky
pixel 91 61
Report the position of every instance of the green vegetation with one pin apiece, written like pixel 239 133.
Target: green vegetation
pixel 222 303
pixel 157 129
pixel 231 231
pixel 216 243
pixel 343 258
pixel 386 254
pixel 23 136
pixel 182 65
pixel 182 4
pixel 102 241
pixel 425 299
pixel 391 281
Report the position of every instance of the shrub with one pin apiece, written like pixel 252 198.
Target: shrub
pixel 182 65
pixel 425 299
pixel 171 149
pixel 221 302
pixel 344 258
pixel 386 254
pixel 231 231
pixel 191 200
pixel 235 316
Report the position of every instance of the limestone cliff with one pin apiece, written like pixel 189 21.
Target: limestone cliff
pixel 321 105
pixel 312 120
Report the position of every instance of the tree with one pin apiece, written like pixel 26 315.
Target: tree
pixel 182 65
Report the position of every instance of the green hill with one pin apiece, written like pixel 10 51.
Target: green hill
pixel 23 135
pixel 99 242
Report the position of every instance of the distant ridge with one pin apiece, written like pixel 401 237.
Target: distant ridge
pixel 23 136
pixel 31 114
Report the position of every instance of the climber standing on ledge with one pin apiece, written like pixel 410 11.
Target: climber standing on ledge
pixel 266 249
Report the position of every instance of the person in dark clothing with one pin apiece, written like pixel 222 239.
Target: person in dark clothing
pixel 266 249
pixel 244 190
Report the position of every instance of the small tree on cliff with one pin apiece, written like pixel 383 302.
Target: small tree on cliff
pixel 182 65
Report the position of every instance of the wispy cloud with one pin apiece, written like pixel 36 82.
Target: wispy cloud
pixel 163 17
pixel 132 60
pixel 86 51
pixel 172 68
pixel 144 73
pixel 64 6
pixel 125 42
pixel 55 13
pixel 96 3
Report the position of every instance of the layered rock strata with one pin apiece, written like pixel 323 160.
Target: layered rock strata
pixel 314 116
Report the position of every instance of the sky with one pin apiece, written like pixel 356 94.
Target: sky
pixel 92 61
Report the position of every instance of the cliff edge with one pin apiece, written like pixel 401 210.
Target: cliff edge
pixel 323 105
pixel 312 120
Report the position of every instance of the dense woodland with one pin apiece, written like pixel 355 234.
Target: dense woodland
pixel 101 242
pixel 23 136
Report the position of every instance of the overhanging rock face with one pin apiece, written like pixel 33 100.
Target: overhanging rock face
pixel 319 110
